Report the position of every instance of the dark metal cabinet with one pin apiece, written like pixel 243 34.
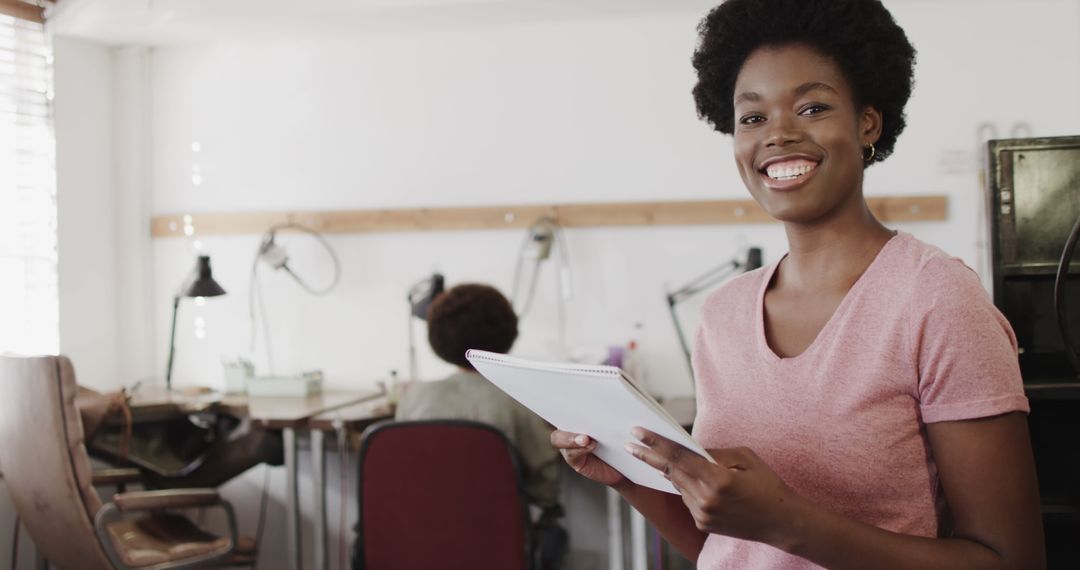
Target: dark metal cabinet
pixel 1034 202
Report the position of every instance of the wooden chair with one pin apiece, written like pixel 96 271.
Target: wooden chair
pixel 440 494
pixel 49 477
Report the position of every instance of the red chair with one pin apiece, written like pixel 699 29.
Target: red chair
pixel 440 494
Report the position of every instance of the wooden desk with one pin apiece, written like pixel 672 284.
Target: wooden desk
pixel 344 421
pixel 291 412
pixel 272 412
pixel 354 418
pixel 153 403
pixel 277 413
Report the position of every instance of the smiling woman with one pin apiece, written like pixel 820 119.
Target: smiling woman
pixel 861 396
pixel 797 128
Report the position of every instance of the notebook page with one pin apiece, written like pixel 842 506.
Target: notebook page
pixel 657 406
pixel 594 400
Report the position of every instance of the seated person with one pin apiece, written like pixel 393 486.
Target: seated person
pixel 478 316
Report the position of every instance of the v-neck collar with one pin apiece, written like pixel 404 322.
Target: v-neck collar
pixel 763 342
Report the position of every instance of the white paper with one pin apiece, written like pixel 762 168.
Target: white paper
pixel 599 401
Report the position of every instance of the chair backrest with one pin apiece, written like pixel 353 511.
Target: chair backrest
pixel 46 468
pixel 440 494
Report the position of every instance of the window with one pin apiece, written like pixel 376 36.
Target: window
pixel 29 306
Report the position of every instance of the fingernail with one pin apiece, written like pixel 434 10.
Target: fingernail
pixel 581 439
pixel 629 449
pixel 637 432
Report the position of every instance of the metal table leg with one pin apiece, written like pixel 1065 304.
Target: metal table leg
pixel 318 470
pixel 615 530
pixel 292 499
pixel 639 553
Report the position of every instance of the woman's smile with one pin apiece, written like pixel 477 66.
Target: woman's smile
pixel 784 173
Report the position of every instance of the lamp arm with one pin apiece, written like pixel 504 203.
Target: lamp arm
pixel 172 344
pixel 682 339
pixel 695 286
pixel 322 241
pixel 704 281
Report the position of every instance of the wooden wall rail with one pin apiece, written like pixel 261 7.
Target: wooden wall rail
pixel 898 209
pixel 24 10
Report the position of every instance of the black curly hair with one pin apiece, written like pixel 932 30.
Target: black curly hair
pixel 859 35
pixel 470 316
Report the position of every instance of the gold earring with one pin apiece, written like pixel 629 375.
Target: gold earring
pixel 873 153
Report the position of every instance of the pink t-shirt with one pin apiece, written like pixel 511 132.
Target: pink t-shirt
pixel 916 340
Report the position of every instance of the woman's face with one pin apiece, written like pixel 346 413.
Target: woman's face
pixel 798 137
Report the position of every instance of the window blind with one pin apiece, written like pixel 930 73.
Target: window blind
pixel 29 305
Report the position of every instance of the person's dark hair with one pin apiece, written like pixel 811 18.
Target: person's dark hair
pixel 470 316
pixel 859 35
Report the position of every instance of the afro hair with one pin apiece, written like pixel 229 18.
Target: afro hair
pixel 859 35
pixel 470 316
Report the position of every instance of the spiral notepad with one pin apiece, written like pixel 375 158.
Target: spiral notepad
pixel 599 401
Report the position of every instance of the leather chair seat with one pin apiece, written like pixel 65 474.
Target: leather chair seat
pixel 160 538
pixel 50 480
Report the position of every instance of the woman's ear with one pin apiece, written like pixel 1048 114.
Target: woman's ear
pixel 869 125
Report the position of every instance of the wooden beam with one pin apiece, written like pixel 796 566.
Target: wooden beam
pixel 23 10
pixel 704 212
pixel 910 208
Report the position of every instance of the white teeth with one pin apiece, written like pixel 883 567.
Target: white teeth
pixel 789 172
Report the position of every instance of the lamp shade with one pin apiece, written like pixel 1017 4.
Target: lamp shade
pixel 203 284
pixel 423 294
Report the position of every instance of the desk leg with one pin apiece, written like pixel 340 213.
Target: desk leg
pixel 318 470
pixel 615 530
pixel 292 499
pixel 639 552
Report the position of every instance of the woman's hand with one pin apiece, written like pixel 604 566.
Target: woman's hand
pixel 738 496
pixel 577 449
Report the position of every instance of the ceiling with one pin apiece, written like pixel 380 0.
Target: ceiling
pixel 165 22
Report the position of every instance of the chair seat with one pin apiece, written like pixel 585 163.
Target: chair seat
pixel 245 553
pixel 160 538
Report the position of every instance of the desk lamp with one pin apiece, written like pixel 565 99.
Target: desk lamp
pixel 420 297
pixel 273 254
pixel 705 281
pixel 199 284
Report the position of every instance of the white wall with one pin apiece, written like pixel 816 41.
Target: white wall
pixel 531 112
pixel 528 113
pixel 133 165
pixel 86 209
pixel 102 127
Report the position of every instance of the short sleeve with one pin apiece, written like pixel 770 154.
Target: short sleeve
pixel 965 349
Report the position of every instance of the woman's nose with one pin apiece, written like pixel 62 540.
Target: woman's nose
pixel 782 130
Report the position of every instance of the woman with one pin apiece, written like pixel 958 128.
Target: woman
pixel 861 397
pixel 474 315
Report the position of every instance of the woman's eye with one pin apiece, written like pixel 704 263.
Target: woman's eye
pixel 813 109
pixel 751 119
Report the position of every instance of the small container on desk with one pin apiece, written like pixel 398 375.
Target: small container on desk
pixel 237 374
pixel 303 385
